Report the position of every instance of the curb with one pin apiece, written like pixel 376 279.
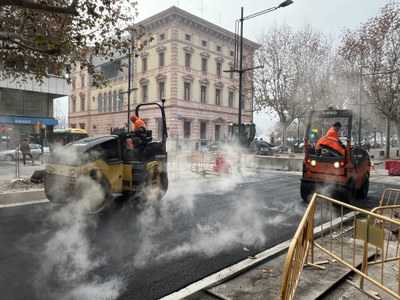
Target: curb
pixel 32 196
pixel 22 197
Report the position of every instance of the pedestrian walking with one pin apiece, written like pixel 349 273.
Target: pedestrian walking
pixel 26 150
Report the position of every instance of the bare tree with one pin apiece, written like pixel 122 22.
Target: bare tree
pixel 374 50
pixel 296 74
pixel 39 38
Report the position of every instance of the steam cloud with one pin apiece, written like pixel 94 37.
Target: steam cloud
pixel 68 258
pixel 215 234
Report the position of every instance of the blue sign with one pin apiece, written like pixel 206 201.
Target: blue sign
pixel 27 120
pixel 179 117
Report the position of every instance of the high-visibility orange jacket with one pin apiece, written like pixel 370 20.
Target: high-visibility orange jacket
pixel 137 122
pixel 332 133
pixel 331 140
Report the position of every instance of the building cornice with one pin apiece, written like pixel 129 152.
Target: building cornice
pixel 188 77
pixel 188 49
pixel 160 77
pixel 205 54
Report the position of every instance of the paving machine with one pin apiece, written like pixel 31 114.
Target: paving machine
pixel 94 169
pixel 327 172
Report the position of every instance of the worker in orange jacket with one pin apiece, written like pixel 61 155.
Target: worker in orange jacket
pixel 139 128
pixel 137 122
pixel 331 140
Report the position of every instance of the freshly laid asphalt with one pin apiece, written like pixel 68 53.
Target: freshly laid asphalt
pixel 258 277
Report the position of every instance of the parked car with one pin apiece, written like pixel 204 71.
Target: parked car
pixel 261 148
pixel 298 147
pixel 36 151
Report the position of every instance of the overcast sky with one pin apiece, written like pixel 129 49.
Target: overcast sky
pixel 328 16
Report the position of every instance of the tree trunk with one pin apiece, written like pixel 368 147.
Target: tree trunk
pixel 397 125
pixel 285 126
pixel 387 143
pixel 284 132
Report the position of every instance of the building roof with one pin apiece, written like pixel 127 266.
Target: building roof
pixel 175 14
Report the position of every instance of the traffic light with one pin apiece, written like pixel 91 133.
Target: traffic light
pixel 314 133
pixel 36 127
pixel 3 128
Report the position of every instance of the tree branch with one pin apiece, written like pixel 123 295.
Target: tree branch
pixel 23 23
pixel 66 10
pixel 21 41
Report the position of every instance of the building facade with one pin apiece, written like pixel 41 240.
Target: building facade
pixel 185 60
pixel 23 104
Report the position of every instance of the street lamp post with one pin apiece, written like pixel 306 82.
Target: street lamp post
pixel 129 85
pixel 128 105
pixel 241 70
pixel 130 89
pixel 359 112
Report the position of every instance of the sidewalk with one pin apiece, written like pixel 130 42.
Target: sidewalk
pixel 15 183
pixel 260 278
pixel 13 177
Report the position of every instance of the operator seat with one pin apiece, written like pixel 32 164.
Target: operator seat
pixel 326 151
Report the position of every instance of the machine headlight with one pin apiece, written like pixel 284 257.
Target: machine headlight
pixel 50 169
pixel 336 165
pixel 71 172
pixel 313 163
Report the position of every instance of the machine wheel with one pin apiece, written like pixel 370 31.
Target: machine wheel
pixel 164 184
pixel 306 191
pixel 158 191
pixel 351 191
pixel 363 191
pixel 54 191
pixel 60 193
pixel 150 193
pixel 96 205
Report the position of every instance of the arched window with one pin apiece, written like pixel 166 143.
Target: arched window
pixel 121 100
pixel 99 103
pixel 115 98
pixel 110 101
pixel 104 102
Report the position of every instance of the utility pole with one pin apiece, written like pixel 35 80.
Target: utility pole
pixel 129 85
pixel 359 111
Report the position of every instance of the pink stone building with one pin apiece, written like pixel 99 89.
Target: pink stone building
pixel 184 60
